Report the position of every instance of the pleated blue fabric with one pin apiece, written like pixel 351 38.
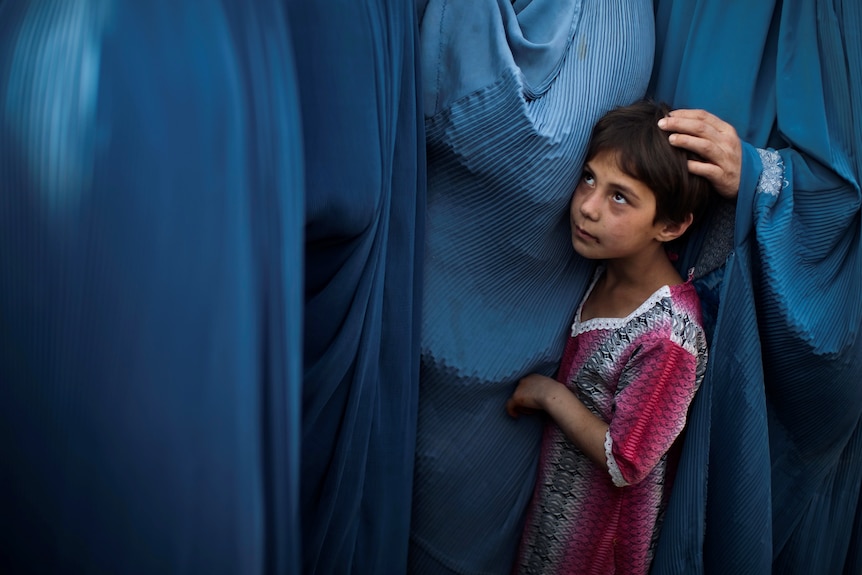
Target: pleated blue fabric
pixel 151 214
pixel 511 92
pixel 363 143
pixel 771 470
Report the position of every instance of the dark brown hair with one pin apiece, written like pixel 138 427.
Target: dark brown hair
pixel 643 152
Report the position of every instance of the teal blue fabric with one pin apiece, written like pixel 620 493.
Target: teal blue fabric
pixel 772 465
pixel 363 148
pixel 211 223
pixel 511 92
pixel 151 231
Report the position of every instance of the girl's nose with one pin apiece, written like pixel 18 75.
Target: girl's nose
pixel 589 205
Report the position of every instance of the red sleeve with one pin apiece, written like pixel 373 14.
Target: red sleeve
pixel 655 390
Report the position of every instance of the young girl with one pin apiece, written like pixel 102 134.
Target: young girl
pixel 636 356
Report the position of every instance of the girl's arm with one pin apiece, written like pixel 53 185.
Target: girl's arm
pixel 581 426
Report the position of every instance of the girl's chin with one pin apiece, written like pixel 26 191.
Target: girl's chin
pixel 584 251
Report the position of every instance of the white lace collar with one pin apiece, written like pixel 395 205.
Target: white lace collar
pixel 579 327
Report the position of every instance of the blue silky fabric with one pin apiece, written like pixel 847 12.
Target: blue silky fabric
pixel 363 142
pixel 510 92
pixel 771 469
pixel 150 288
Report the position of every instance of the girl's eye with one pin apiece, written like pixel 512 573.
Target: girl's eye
pixel 588 178
pixel 619 198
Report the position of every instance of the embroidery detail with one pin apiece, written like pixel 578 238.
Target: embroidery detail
pixel 613 468
pixel 771 179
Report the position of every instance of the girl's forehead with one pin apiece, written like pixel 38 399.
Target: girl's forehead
pixel 608 161
pixel 608 156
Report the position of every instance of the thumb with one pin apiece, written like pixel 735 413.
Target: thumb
pixel 512 408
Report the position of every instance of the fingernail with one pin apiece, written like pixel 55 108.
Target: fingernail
pixel 662 123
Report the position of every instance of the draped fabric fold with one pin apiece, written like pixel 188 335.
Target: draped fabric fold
pixel 783 395
pixel 150 301
pixel 511 92
pixel 363 145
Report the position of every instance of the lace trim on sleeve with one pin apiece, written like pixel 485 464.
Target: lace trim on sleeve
pixel 613 468
pixel 771 179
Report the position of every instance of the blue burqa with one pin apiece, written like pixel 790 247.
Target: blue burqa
pixel 772 464
pixel 150 288
pixel 173 178
pixel 365 193
pixel 510 93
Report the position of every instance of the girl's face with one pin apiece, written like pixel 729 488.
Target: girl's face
pixel 612 214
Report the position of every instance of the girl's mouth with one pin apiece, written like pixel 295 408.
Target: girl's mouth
pixel 579 231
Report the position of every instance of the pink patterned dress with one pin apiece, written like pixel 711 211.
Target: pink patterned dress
pixel 639 374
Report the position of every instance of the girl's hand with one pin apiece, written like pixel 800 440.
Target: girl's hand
pixel 583 428
pixel 531 394
pixel 712 139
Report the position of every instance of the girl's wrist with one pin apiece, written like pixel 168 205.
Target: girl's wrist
pixel 553 393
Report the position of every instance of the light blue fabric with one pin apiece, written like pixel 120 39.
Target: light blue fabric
pixel 511 93
pixel 150 288
pixel 772 465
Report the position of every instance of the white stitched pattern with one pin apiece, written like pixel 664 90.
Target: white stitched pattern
pixel 772 177
pixel 613 468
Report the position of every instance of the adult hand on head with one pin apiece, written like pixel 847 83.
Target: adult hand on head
pixel 712 139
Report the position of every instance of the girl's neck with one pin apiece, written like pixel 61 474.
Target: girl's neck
pixel 625 285
pixel 644 273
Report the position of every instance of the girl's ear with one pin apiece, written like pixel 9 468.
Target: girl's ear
pixel 669 231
